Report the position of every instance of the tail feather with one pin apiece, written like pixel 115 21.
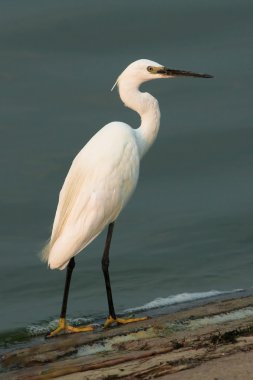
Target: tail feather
pixel 45 252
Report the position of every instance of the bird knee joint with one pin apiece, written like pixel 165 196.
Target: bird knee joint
pixel 105 263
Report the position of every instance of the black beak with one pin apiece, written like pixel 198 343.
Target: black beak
pixel 181 73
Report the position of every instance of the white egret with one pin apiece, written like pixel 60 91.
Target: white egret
pixel 101 180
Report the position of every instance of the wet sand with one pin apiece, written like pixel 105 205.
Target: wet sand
pixel 213 341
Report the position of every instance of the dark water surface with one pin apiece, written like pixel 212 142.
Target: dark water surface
pixel 189 227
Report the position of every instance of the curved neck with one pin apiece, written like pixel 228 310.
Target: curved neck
pixel 148 109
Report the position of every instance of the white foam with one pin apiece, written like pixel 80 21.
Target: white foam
pixel 108 344
pixel 180 298
pixel 221 318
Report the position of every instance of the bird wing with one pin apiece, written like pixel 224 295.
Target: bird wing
pixel 99 183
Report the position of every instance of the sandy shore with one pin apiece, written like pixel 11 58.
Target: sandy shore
pixel 213 341
pixel 234 367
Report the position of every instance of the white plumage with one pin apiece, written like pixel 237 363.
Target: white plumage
pixel 105 172
pixel 100 181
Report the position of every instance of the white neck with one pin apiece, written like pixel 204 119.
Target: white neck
pixel 148 109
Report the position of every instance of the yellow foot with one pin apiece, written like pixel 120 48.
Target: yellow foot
pixel 63 326
pixel 122 321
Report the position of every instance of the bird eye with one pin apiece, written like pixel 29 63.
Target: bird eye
pixel 149 68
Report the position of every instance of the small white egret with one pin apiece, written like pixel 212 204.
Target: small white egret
pixel 101 180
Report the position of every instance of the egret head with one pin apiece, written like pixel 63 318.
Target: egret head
pixel 144 70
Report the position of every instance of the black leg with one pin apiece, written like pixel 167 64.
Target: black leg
pixel 70 267
pixel 105 267
pixel 62 324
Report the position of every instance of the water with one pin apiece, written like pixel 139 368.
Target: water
pixel 188 227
